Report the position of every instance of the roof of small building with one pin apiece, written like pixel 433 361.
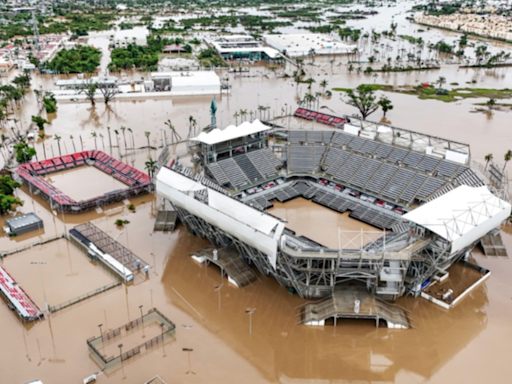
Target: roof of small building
pixel 23 221
pixel 231 132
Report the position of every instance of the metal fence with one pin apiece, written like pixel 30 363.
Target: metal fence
pixel 77 299
pixel 153 315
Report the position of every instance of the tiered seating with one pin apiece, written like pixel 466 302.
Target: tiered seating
pixel 248 168
pixel 300 158
pixel 320 117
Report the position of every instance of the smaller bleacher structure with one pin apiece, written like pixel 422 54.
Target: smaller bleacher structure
pixel 137 182
pixel 320 117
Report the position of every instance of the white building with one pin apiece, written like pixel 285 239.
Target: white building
pixel 124 37
pixel 242 47
pixel 301 45
pixel 187 83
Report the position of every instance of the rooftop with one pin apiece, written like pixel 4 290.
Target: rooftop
pixel 22 221
pixel 231 132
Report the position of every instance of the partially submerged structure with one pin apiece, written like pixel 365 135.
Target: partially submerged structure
pixel 235 47
pixel 23 224
pixel 308 44
pixel 431 206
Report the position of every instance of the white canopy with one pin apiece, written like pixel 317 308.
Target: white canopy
pixel 462 215
pixel 258 229
pixel 231 132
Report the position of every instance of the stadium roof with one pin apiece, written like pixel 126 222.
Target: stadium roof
pixel 462 215
pixel 231 132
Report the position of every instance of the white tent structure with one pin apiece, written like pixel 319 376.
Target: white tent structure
pixel 190 82
pixel 258 229
pixel 231 132
pixel 462 216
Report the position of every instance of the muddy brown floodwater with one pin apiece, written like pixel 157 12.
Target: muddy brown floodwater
pixel 468 344
pixel 84 182
pixel 321 224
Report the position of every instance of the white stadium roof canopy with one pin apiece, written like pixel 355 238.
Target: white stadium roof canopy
pixel 231 132
pixel 462 215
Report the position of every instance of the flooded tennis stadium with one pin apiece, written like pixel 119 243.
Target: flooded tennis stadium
pixel 302 244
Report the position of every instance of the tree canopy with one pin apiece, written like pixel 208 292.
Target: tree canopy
pixel 364 99
pixel 81 59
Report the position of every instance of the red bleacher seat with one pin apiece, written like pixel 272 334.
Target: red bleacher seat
pixel 60 167
pixel 36 165
pixel 77 156
pixel 336 120
pixel 67 159
pixel 57 161
pixel 79 162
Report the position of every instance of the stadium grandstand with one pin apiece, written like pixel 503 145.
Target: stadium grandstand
pixel 431 206
pixel 32 174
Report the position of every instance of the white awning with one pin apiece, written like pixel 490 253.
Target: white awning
pixel 231 132
pixel 462 215
pixel 255 228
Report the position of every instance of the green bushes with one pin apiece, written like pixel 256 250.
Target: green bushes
pixel 81 59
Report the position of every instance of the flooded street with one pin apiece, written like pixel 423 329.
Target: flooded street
pixel 469 343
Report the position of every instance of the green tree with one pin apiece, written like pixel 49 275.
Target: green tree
pixel 6 203
pixel 147 133
pixel 42 137
pixel 58 138
pixel 491 103
pixel 40 122
pixel 385 105
pixel 507 158
pixel 8 185
pixel 24 153
pixel 364 99
pixel 441 81
pixel 488 158
pixel 150 165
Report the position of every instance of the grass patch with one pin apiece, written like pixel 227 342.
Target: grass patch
pixel 453 95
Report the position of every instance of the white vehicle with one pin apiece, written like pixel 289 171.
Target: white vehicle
pixel 371 199
pixel 347 191
pixel 364 198
pixel 388 206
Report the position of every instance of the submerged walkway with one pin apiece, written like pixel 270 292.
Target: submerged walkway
pixel 354 303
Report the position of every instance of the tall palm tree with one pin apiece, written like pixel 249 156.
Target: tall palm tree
pixel 236 115
pixel 243 113
pixel 117 139
pixel 123 129
pixel 441 81
pixel 133 139
pixel 102 141
pixel 58 138
pixel 109 140
pixel 42 136
pixel 95 135
pixel 150 165
pixel 487 158
pixel 175 135
pixel 147 133
pixel 261 108
pixel 508 157
pixel 72 141
pixel 323 84
pixel 251 113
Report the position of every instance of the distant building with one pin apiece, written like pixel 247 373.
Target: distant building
pixel 174 48
pixel 23 224
pixel 123 38
pixel 298 45
pixel 242 47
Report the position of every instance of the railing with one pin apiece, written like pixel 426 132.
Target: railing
pixel 25 247
pixel 77 299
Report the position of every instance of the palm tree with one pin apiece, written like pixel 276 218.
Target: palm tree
pixel 243 113
pixel 123 129
pixel 72 142
pixel 150 165
pixel 58 138
pixel 175 135
pixel 235 115
pixel 508 157
pixel 441 81
pixel 487 158
pixel 323 84
pixel 42 136
pixel 133 139
pixel 117 139
pixel 109 140
pixel 491 103
pixel 250 114
pixel 95 135
pixel 147 133
pixel 260 109
pixel 102 141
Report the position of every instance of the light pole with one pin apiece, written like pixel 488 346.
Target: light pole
pixel 190 371
pixel 141 315
pixel 163 346
pixel 250 312
pixel 39 263
pixel 153 249
pixel 99 326
pixel 217 288
pixel 120 346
